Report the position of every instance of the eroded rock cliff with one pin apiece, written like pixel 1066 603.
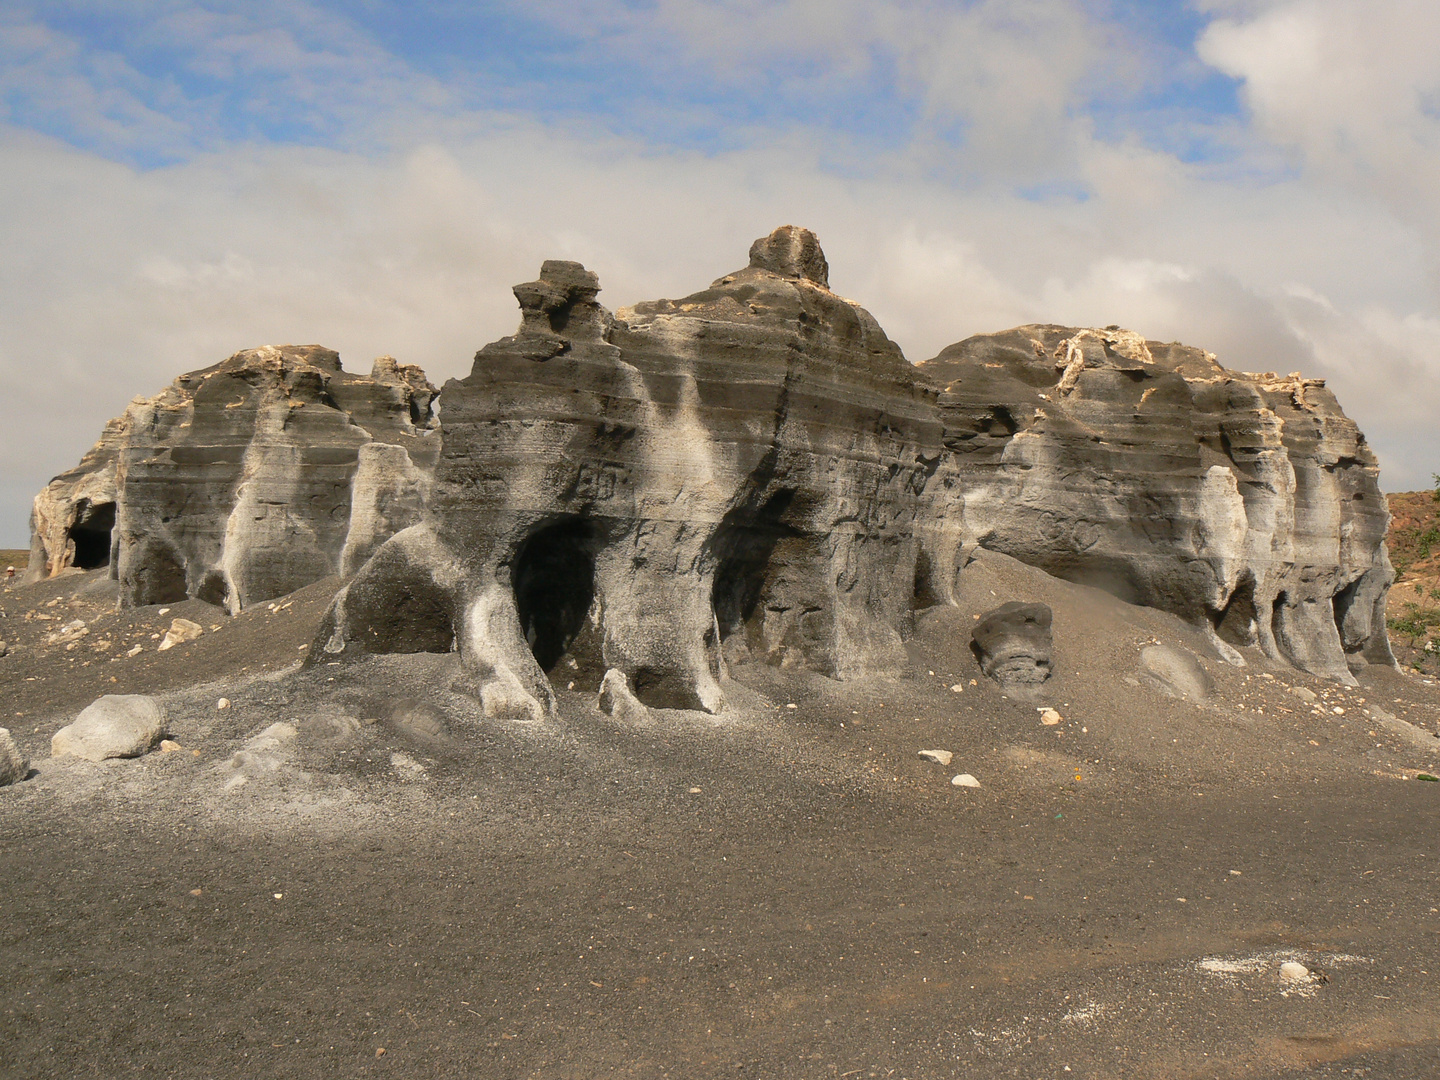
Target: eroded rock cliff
pixel 246 480
pixel 753 473
pixel 734 474
pixel 1246 503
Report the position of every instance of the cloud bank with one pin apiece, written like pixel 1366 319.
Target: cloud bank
pixel 185 180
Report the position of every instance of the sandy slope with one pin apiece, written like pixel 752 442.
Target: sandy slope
pixel 779 892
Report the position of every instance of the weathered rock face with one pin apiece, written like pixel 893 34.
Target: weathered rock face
pixel 1249 503
pixel 751 473
pixel 695 482
pixel 246 480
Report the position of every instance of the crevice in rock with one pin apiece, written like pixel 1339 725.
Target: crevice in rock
pixel 924 594
pixel 1277 628
pixel 1236 623
pixel 742 547
pixel 553 576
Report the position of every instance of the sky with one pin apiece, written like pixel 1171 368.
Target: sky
pixel 180 180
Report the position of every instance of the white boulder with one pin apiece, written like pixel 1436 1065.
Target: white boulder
pixel 116 725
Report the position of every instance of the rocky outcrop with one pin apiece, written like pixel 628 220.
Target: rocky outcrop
pixel 116 725
pixel 246 480
pixel 1249 504
pixel 686 484
pixel 753 473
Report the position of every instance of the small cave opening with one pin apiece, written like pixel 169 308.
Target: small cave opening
pixel 742 548
pixel 91 534
pixel 553 576
pixel 1277 626
pixel 1341 603
pixel 1236 623
pixel 924 594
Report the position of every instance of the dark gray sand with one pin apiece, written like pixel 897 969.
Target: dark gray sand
pixel 788 890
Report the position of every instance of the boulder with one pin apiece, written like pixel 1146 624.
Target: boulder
pixel 1176 672
pixel 116 725
pixel 1013 645
pixel 181 630
pixel 14 766
pixel 419 720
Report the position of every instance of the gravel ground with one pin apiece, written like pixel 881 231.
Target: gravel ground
pixel 392 884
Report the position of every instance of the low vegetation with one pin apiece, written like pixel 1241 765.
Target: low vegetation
pixel 1414 543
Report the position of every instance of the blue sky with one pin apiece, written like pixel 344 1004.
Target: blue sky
pixel 183 180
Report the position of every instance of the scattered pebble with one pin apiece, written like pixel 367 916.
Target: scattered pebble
pixel 136 651
pixel 694 791
pixel 958 688
pixel 1049 717
pixel 792 705
pixel 965 780
pixel 196 892
pixel 1291 971
pixel 940 757
pixel 169 746
pixel 223 703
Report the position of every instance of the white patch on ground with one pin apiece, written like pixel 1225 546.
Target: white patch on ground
pixel 1268 964
pixel 1086 1015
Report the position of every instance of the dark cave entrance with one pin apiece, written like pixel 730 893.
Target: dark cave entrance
pixel 94 524
pixel 553 576
pixel 1277 627
pixel 1236 624
pixel 742 547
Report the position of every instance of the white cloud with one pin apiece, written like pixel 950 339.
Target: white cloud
pixel 1353 89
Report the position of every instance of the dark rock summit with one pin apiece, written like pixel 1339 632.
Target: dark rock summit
pixel 753 473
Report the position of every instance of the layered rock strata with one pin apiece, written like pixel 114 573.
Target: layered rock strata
pixel 690 483
pixel 1246 503
pixel 752 473
pixel 246 480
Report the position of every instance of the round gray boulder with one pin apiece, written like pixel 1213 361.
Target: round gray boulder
pixel 116 725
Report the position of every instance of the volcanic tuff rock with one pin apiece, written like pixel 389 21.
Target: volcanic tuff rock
pixel 750 473
pixel 694 482
pixel 246 480
pixel 1248 503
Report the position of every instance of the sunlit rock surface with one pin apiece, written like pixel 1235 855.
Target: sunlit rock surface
pixel 246 480
pixel 690 483
pixel 750 474
pixel 1248 503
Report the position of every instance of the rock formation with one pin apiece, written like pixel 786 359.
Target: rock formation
pixel 1013 645
pixel 246 480
pixel 691 483
pixel 751 473
pixel 1248 503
